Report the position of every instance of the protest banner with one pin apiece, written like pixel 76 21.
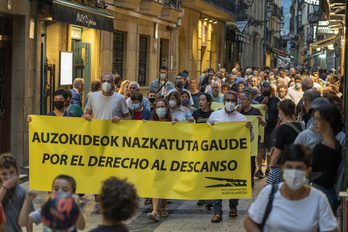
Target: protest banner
pixel 162 160
pixel 253 146
pixel 263 112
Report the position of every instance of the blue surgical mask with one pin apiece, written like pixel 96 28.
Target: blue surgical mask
pixel 136 106
pixel 161 112
pixel 185 102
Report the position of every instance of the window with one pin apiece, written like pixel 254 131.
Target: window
pixel 142 60
pixel 117 62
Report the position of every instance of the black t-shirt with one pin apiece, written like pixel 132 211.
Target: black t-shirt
pixel 272 111
pixel 252 111
pixel 286 135
pixel 66 114
pixel 326 161
pixel 116 228
pixel 200 116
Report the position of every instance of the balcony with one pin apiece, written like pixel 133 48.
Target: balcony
pixel 127 4
pixel 226 5
pixel 151 7
pixel 171 10
pixel 176 4
pixel 277 11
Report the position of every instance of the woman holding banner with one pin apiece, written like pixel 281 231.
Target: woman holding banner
pixel 160 113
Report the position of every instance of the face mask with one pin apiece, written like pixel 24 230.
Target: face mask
pixel 230 106
pixel 172 103
pixel 271 82
pixel 184 102
pixel 294 179
pixel 297 85
pixel 152 100
pixel 59 104
pixel 266 94
pixel 163 76
pixel 281 95
pixel 106 87
pixel 179 85
pixel 161 112
pixel 136 106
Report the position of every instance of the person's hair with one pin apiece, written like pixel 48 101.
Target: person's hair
pixel 335 77
pixel 118 199
pixel 193 79
pixel 335 101
pixel 69 93
pixel 78 82
pixel 137 96
pixel 231 93
pixel 151 91
pixel 210 69
pixel 8 160
pixel 282 86
pixel 136 83
pixel 265 85
pixel 154 114
pixel 332 115
pixel 288 107
pixel 256 93
pixel 117 78
pixel 225 85
pixel 307 83
pixel 186 72
pixel 177 97
pixel 110 74
pixel 121 91
pixel 311 94
pixel 216 82
pixel 68 179
pixel 297 152
pixel 95 85
pixel 163 67
pixel 246 94
pixel 208 97
pixel 298 78
pixel 184 92
pixel 241 83
pixel 61 92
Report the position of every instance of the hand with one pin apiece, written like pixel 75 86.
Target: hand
pixel 191 119
pixel 265 108
pixel 10 182
pixel 143 120
pixel 259 118
pixel 87 117
pixel 175 121
pixel 249 125
pixel 29 119
pixel 212 123
pixel 265 100
pixel 31 195
pixel 239 108
pixel 115 119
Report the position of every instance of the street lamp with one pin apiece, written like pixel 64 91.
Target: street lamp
pixel 281 25
pixel 269 13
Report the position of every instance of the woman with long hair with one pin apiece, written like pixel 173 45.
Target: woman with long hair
pixel 124 89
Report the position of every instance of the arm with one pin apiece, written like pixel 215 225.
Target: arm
pixel 8 184
pixel 262 121
pixel 250 225
pixel 24 218
pixel 2 228
pixel 29 228
pixel 275 156
pixel 80 222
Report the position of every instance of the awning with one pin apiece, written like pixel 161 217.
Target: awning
pixel 78 14
pixel 325 42
pixel 278 52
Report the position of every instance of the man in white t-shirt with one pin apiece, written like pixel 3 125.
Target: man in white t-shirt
pixel 107 104
pixel 295 92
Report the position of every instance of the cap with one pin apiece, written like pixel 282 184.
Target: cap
pixel 184 75
pixel 316 103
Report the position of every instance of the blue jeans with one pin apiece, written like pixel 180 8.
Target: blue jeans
pixel 217 204
pixel 331 196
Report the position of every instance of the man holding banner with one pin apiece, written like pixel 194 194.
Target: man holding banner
pixel 228 114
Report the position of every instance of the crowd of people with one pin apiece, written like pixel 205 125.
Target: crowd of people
pixel 303 141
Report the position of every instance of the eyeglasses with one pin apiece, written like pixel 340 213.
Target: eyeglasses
pixel 231 100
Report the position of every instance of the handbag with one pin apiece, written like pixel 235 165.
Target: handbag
pixel 269 206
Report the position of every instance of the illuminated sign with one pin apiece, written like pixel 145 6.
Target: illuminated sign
pixel 312 2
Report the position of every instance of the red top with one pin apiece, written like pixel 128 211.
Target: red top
pixel 137 115
pixel 2 215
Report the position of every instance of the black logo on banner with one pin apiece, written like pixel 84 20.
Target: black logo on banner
pixel 227 182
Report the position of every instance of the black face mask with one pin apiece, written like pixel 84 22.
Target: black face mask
pixel 152 100
pixel 179 85
pixel 59 104
pixel 266 94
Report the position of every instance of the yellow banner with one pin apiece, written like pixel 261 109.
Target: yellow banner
pixel 254 143
pixel 181 161
pixel 263 112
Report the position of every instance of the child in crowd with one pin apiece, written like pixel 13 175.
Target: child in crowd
pixel 118 202
pixel 12 195
pixel 62 183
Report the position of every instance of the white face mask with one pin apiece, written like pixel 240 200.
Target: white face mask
pixel 230 106
pixel 172 103
pixel 297 85
pixel 294 179
pixel 163 76
pixel 106 87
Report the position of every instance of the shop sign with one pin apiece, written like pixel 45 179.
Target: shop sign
pixel 204 36
pixel 312 2
pixel 324 31
pixel 76 33
pixel 242 39
pixel 241 25
pixel 323 23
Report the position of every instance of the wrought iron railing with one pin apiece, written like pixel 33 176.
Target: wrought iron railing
pixel 176 4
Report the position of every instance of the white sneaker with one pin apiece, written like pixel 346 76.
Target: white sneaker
pixel 154 216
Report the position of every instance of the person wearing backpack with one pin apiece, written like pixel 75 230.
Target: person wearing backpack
pixel 286 134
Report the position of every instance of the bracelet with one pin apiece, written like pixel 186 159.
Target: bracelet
pixel 5 187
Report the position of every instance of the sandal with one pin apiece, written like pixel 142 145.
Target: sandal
pixel 217 218
pixel 233 213
pixel 164 213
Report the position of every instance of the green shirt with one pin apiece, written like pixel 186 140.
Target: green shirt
pixel 76 109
